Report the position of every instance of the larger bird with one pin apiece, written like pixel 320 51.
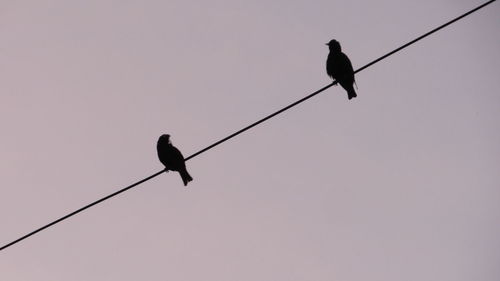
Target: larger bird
pixel 172 158
pixel 339 67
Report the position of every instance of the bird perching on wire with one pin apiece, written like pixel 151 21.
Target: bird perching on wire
pixel 172 158
pixel 339 67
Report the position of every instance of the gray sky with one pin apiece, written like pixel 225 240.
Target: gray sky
pixel 401 183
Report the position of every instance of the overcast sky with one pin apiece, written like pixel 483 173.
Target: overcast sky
pixel 402 183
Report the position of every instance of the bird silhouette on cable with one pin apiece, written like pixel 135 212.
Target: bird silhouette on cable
pixel 339 67
pixel 172 158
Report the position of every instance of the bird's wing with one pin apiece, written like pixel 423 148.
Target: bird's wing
pixel 346 68
pixel 176 154
pixel 346 63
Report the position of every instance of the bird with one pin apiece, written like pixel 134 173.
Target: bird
pixel 172 158
pixel 339 67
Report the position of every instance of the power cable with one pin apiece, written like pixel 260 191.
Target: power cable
pixel 246 128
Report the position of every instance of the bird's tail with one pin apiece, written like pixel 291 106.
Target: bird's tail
pixel 351 93
pixel 349 87
pixel 185 176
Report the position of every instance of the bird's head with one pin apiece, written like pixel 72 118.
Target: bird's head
pixel 165 138
pixel 334 46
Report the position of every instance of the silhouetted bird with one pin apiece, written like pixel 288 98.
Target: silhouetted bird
pixel 172 158
pixel 339 67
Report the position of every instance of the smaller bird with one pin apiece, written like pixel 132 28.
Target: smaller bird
pixel 172 158
pixel 339 67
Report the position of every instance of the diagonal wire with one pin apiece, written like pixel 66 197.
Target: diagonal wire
pixel 247 127
pixel 329 85
pixel 82 209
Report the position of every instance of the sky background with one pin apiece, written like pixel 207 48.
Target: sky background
pixel 402 183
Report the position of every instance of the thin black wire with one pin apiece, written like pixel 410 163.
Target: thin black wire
pixel 328 86
pixel 244 129
pixel 81 209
